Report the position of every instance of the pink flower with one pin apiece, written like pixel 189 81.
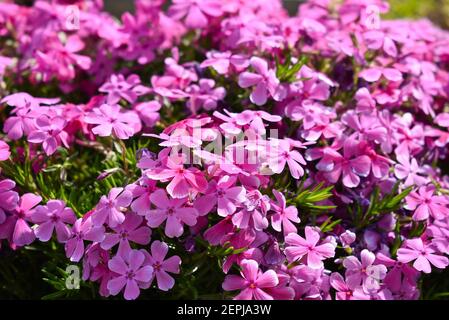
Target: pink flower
pixel 364 272
pixel 172 210
pixel 4 151
pixel 265 81
pixel 130 230
pixel 162 266
pixel 183 181
pixel 282 155
pixel 50 132
pixel 16 228
pixel 375 73
pixel 82 230
pixel 422 254
pixel 376 40
pixel 284 216
pixel 54 215
pixel 424 204
pixel 351 166
pixel 26 109
pixel 149 112
pixel 118 87
pixel 408 169
pixel 253 215
pixel 345 289
pixel 223 61
pixel 112 119
pixel 196 12
pixel 300 247
pixel 110 208
pixel 132 272
pixel 347 238
pixel 204 95
pixel 223 194
pixel 252 282
pixel 141 194
pixel 8 198
pixel 60 59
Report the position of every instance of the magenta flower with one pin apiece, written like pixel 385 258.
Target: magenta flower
pixel 132 272
pixel 110 208
pixel 50 133
pixel 300 247
pixel 196 12
pixel 130 230
pixel 223 194
pixel 118 87
pixel 16 228
pixel 8 198
pixel 424 204
pixel 172 210
pixel 53 216
pixel 4 151
pixel 82 230
pixel 284 216
pixel 161 266
pixel 112 119
pixel 252 282
pixel 364 272
pixel 422 254
pixel 265 81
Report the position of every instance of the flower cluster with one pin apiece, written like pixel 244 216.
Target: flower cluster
pixel 307 154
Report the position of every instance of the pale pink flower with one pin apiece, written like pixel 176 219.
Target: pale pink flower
pixel 132 271
pixel 422 254
pixel 223 194
pixel 111 119
pixel 16 228
pixel 53 216
pixel 130 230
pixel 265 81
pixel 173 211
pixel 82 230
pixel 364 271
pixel 197 13
pixel 110 207
pixel 4 151
pixel 283 218
pixel 424 204
pixel 252 282
pixel 50 132
pixel 8 198
pixel 300 247
pixel 162 266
